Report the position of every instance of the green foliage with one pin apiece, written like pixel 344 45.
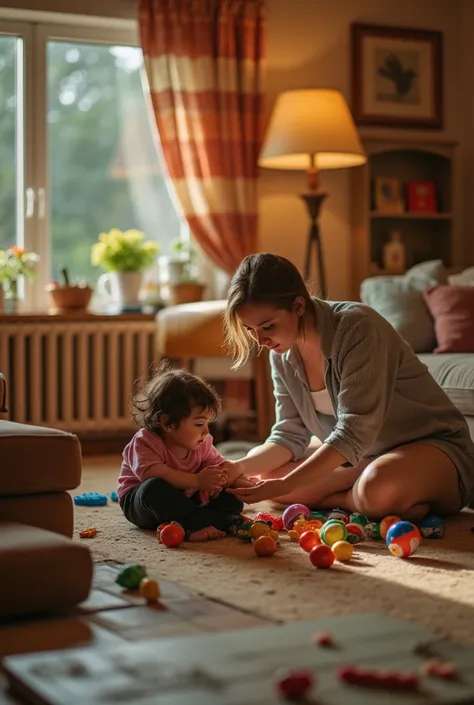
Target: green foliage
pixel 123 252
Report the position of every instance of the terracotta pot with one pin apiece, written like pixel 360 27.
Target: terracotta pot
pixel 70 298
pixel 185 293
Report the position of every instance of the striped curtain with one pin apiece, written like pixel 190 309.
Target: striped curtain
pixel 204 64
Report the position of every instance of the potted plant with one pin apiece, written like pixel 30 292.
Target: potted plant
pixel 15 263
pixel 183 284
pixel 124 256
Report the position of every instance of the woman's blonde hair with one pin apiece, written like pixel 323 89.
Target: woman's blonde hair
pixel 263 278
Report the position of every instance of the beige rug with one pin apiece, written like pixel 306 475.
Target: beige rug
pixel 434 588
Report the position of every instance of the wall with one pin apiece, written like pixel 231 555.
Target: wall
pixel 308 46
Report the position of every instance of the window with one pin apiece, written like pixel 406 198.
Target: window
pixel 79 150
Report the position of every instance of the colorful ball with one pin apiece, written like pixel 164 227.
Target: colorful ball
pixel 321 557
pixel 319 515
pixel 149 589
pixel 432 527
pixel 333 531
pixel 342 551
pixel 264 546
pixel 355 533
pixel 172 535
pixel 294 535
pixel 294 512
pixel 259 528
pixel 308 540
pixel 403 539
pixel 338 514
pixel 358 518
pixel 300 526
pixel 313 525
pixel 372 531
pixel 386 523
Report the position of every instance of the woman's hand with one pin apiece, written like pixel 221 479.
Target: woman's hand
pixel 266 489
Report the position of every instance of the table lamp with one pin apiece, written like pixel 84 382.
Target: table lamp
pixel 312 130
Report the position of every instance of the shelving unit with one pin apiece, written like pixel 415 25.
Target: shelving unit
pixel 425 235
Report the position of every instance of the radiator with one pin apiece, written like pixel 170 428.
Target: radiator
pixel 76 376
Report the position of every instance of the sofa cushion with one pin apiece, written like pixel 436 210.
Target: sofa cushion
pixel 36 459
pixel 455 374
pixel 41 571
pixel 452 308
pixel 52 511
pixel 399 299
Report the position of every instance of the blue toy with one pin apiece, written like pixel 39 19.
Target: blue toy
pixel 90 499
pixel 403 539
pixel 114 496
pixel 432 527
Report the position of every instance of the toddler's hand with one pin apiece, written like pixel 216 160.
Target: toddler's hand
pixel 212 478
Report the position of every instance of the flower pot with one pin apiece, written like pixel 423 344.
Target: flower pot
pixel 185 293
pixel 69 298
pixel 122 288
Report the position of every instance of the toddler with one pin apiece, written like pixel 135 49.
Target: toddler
pixel 170 469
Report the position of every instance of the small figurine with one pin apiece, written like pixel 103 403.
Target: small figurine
pixel 394 253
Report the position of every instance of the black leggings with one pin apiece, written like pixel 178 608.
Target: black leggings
pixel 156 501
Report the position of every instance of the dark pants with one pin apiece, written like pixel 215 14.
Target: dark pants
pixel 156 501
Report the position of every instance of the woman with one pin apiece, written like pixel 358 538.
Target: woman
pixel 393 441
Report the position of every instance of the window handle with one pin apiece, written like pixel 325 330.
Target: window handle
pixel 41 203
pixel 30 203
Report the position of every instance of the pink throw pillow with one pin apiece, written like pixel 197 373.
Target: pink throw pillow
pixel 452 308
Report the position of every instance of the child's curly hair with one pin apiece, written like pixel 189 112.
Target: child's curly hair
pixel 173 393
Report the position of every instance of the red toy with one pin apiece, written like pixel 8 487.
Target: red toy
pixel 370 678
pixel 308 540
pixel 323 639
pixel 321 556
pixel 295 685
pixel 275 522
pixel 172 535
pixel 88 533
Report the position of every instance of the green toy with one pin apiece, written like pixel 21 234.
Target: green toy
pixel 244 531
pixel 131 576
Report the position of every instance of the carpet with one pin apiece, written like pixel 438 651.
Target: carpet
pixel 434 588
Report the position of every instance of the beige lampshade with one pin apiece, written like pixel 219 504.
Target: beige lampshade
pixel 311 122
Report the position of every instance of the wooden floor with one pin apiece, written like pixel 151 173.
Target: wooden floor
pixel 112 615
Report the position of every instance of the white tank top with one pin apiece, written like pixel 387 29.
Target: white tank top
pixel 322 402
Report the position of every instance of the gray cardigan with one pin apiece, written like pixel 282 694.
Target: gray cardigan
pixel 383 396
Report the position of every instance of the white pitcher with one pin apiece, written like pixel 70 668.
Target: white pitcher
pixel 122 288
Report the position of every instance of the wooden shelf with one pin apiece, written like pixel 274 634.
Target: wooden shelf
pixel 412 216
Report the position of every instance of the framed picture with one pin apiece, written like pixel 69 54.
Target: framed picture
pixel 388 195
pixel 397 76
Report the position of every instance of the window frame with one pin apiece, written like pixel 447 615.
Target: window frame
pixel 36 29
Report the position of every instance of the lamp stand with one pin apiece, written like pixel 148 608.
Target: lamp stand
pixel 313 203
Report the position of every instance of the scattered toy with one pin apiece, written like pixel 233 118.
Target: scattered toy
pixel 265 546
pixel 149 589
pixel 131 576
pixel 295 685
pixel 403 539
pixel 432 527
pixel 333 530
pixel 88 533
pixel 438 668
pixel 371 678
pixel 372 531
pixel 321 556
pixel 342 551
pixel 172 535
pixel 114 496
pixel 386 523
pixel 355 533
pixel 323 639
pixel 308 540
pixel 293 513
pixel 90 499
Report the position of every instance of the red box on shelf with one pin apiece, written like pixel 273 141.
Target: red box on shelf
pixel 421 197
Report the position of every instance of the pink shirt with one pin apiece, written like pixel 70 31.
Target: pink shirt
pixel 147 455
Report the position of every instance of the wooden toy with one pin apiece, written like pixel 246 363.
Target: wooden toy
pixel 403 539
pixel 342 551
pixel 321 557
pixel 386 523
pixel 294 512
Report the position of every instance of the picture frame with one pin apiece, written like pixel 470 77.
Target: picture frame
pixel 397 76
pixel 388 195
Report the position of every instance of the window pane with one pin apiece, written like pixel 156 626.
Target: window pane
pixel 11 141
pixel 104 168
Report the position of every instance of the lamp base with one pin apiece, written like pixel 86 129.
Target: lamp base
pixel 313 203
